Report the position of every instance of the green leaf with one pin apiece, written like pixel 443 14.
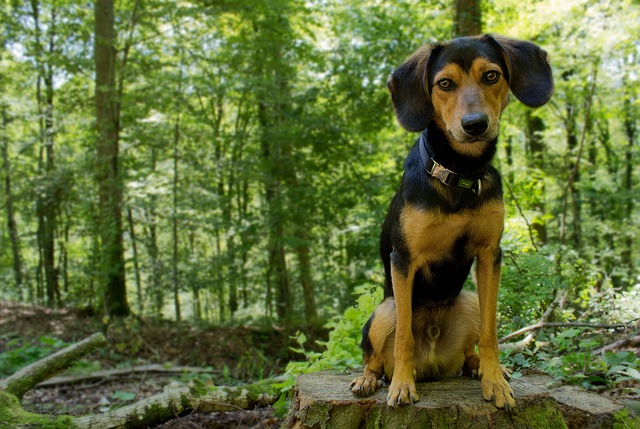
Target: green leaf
pixel 123 396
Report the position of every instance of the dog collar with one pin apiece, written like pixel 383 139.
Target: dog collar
pixel 443 174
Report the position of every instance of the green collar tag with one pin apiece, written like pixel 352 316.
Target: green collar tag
pixel 465 183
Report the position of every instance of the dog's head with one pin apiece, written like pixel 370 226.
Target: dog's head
pixel 463 85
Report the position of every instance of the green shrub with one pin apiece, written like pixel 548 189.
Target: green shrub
pixel 342 350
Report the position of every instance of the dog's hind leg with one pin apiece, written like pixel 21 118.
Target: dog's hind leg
pixel 469 313
pixel 374 337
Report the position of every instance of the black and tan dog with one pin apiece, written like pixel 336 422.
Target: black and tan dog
pixel 448 212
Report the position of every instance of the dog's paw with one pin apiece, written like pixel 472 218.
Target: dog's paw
pixel 402 392
pixel 496 388
pixel 365 385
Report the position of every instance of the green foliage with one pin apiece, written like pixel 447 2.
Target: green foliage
pixel 251 126
pixel 342 350
pixel 576 365
pixel 530 274
pixel 20 354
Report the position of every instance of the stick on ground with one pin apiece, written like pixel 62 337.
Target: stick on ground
pixel 24 380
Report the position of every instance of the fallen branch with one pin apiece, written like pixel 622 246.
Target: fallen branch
pixel 177 401
pixel 632 341
pixel 542 325
pixel 142 414
pixel 24 380
pixel 119 373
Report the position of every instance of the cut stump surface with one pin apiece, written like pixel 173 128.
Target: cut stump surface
pixel 323 400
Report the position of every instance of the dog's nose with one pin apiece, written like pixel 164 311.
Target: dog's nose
pixel 475 123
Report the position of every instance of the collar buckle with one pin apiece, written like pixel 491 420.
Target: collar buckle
pixel 441 173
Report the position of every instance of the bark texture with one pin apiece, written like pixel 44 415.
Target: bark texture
pixel 322 401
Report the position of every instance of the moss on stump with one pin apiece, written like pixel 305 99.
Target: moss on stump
pixel 323 401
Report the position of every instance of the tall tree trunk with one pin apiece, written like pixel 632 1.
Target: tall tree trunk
pixel 48 198
pixel 275 217
pixel 273 104
pixel 155 288
pixel 64 255
pixel 52 196
pixel 11 218
pixel 630 127
pixel 573 193
pixel 174 227
pixel 136 261
pixel 219 277
pixel 536 152
pixel 112 265
pixel 304 260
pixel 508 148
pixel 468 18
pixel 301 235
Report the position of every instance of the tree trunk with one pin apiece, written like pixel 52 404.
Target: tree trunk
pixel 177 401
pixel 64 254
pixel 48 198
pixel 219 277
pixel 273 105
pixel 11 218
pixel 174 225
pixel 508 149
pixel 630 128
pixel 573 193
pixel 536 152
pixel 136 262
pixel 304 260
pixel 468 18
pixel 151 233
pixel 112 265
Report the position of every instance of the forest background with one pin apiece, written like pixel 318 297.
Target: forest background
pixel 230 163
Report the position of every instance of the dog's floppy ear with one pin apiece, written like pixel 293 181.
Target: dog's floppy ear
pixel 530 77
pixel 407 85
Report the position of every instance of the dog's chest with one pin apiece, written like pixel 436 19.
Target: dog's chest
pixel 432 236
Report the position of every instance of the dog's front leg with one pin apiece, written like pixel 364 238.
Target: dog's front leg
pixel 403 386
pixel 494 385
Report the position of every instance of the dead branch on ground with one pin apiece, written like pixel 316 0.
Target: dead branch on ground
pixel 144 413
pixel 125 372
pixel 24 380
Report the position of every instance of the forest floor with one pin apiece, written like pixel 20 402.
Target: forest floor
pixel 226 355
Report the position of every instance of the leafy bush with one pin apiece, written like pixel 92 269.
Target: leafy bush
pixel 342 349
pixel 527 287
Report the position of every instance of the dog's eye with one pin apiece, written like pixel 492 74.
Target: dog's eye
pixel 492 76
pixel 445 84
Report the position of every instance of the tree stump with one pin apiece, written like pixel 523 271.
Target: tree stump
pixel 323 400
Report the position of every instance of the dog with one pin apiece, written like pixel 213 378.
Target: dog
pixel 448 212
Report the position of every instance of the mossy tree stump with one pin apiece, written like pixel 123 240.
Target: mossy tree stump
pixel 322 401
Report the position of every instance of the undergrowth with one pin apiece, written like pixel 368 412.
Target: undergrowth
pixel 342 350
